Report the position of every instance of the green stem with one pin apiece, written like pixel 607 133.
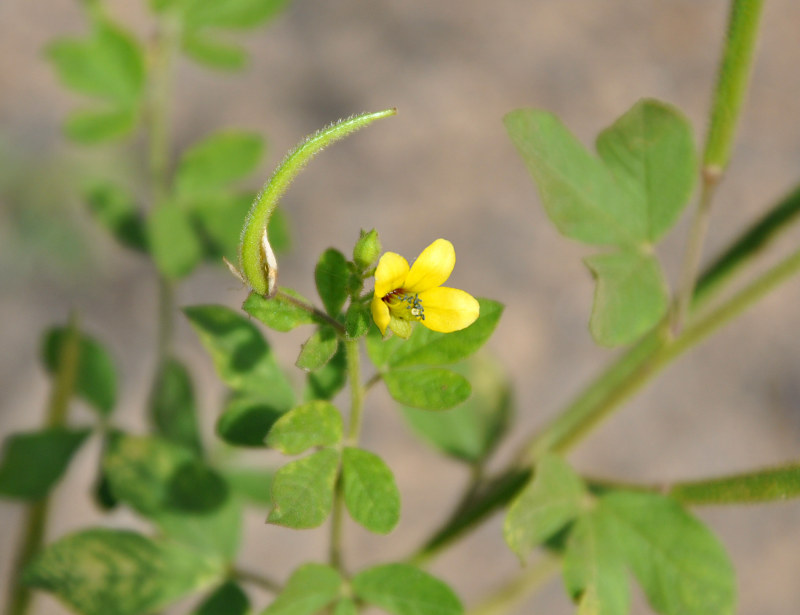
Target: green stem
pixel 353 434
pixel 35 521
pixel 527 581
pixel 317 313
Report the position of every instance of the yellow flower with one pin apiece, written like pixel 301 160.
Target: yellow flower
pixel 404 295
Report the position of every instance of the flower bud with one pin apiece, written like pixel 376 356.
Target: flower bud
pixel 367 249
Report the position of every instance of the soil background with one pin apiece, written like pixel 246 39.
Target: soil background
pixel 443 167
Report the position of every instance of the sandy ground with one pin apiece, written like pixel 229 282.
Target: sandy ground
pixel 442 167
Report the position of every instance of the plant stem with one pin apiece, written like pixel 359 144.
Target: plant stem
pixel 317 313
pixel 35 521
pixel 527 581
pixel 353 434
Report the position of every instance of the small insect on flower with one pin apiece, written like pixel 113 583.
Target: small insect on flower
pixel 404 294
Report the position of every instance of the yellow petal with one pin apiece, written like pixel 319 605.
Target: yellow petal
pixel 390 274
pixel 432 267
pixel 380 313
pixel 448 309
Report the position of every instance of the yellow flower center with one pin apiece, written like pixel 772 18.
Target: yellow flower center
pixel 404 305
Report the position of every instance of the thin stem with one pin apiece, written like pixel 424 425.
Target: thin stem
pixel 316 312
pixel 527 581
pixel 264 582
pixel 35 521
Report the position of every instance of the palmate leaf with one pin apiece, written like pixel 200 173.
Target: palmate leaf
pixel 100 572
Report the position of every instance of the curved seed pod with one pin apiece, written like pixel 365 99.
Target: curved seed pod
pixel 256 258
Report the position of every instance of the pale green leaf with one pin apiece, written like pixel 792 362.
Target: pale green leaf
pixel 253 484
pixel 95 126
pixel 246 420
pixel 630 298
pixel 32 463
pixel 318 349
pixel 552 499
pixel 302 490
pixel 332 276
pixel 173 410
pixel 431 389
pixel 315 423
pixel 279 313
pixel 370 492
pixel 211 52
pixel 402 589
pixel 100 571
pixel 310 589
pixel 380 349
pixel 357 320
pixel 173 241
pixel 235 14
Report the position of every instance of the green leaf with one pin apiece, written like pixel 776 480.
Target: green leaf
pixel 246 420
pixel 357 320
pixel 95 126
pixel 212 53
pixel 345 606
pixel 235 14
pixel 216 161
pixel 318 349
pixel 227 599
pixel 316 423
pixel 196 488
pixel 254 484
pixel 100 571
pixel 402 589
pixel 630 299
pixel 594 573
pixel 310 589
pixel 426 347
pixel 650 152
pixel 241 355
pixel 380 349
pixel 471 430
pixel 32 463
pixel 553 498
pixel 150 475
pixel 578 192
pixel 767 485
pixel 302 490
pixel 279 313
pixel 173 241
pixel 332 276
pixel 109 64
pixel 172 406
pixel 219 218
pixel 117 211
pixel 96 379
pixel 370 492
pixel 431 389
pixel 329 379
pixel 679 563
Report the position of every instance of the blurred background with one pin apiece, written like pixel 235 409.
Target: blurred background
pixel 443 167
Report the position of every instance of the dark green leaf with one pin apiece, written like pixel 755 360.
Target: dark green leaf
pixel 32 463
pixel 650 152
pixel 254 484
pixel 212 53
pixel 401 589
pixel 227 599
pixel 431 389
pixel 96 126
pixel 102 494
pixel 332 276
pixel 172 406
pixel 101 571
pixel 329 379
pixel 173 241
pixel 116 210
pixel 426 347
pixel 220 218
pixel 242 357
pixel 96 379
pixel 216 161
pixel 594 573
pixel 765 485
pixel 578 192
pixel 551 500
pixel 471 430
pixel 279 313
pixel 315 423
pixel 246 420
pixel 318 349
pixel 679 563
pixel 357 320
pixel 196 488
pixel 302 490
pixel 630 299
pixel 231 13
pixel 143 472
pixel 370 492
pixel 109 64
pixel 310 589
